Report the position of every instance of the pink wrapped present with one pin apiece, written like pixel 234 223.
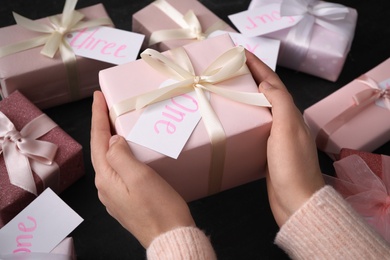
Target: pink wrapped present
pixel 363 179
pixel 44 79
pixel 175 23
pixel 318 45
pixel 355 116
pixel 246 127
pixel 32 144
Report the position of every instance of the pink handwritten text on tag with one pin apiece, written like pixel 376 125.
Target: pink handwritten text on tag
pixel 179 109
pixel 86 40
pixel 271 17
pixel 24 241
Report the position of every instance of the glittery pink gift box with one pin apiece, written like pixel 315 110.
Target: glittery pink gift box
pixel 366 131
pixel 44 81
pixel 151 19
pixel 247 127
pixel 69 157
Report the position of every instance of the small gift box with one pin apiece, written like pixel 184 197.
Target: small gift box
pixel 35 154
pixel 175 23
pixel 65 249
pixel 40 64
pixel 318 44
pixel 363 179
pixel 204 166
pixel 355 116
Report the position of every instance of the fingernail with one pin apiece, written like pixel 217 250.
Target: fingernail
pixel 113 139
pixel 265 85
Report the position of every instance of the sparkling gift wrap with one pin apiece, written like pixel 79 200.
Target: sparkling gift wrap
pixel 69 158
pixel 320 50
pixel 46 81
pixel 246 126
pixel 356 116
pixel 363 179
pixel 165 18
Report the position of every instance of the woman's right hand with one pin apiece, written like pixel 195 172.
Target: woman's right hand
pixel 293 173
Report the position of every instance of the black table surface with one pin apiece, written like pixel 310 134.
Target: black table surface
pixel 239 221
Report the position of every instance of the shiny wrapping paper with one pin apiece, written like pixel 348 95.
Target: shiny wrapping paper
pixel 151 19
pixel 69 157
pixel 367 130
pixel 247 127
pixel 44 81
pixel 327 51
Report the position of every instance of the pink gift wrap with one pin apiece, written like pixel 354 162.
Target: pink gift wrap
pixel 44 81
pixel 151 19
pixel 363 180
pixel 69 157
pixel 65 248
pixel 366 131
pixel 246 127
pixel 327 52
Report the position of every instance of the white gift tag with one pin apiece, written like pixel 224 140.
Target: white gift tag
pixel 383 85
pixel 266 49
pixel 166 126
pixel 262 20
pixel 40 227
pixel 106 44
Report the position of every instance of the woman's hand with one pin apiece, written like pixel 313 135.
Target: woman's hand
pixel 133 193
pixel 293 169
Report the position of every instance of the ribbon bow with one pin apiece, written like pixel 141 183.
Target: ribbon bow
pixel 189 23
pixel 361 99
pixel 53 38
pixel 367 193
pixel 23 153
pixel 229 65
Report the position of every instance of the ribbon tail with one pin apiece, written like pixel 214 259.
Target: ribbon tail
pixel 69 60
pixel 19 170
pixel 218 143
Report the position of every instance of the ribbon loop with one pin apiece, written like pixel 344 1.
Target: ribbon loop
pixel 18 147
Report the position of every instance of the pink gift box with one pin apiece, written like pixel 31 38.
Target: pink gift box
pixel 366 131
pixel 327 51
pixel 69 158
pixel 65 248
pixel 246 127
pixel 151 19
pixel 44 81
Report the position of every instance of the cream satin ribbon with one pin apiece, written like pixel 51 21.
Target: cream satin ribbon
pixel 328 15
pixel 189 23
pixel 227 66
pixel 362 99
pixel 23 153
pixel 53 39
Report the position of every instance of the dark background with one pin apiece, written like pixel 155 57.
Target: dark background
pixel 239 221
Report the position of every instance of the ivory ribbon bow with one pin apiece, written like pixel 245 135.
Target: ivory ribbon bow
pixel 189 23
pixel 53 38
pixel 362 99
pixel 23 153
pixel 229 65
pixel 367 193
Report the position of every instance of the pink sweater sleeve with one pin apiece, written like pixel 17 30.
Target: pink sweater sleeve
pixel 326 227
pixel 181 243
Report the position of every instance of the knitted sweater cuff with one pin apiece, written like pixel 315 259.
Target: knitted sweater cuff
pixel 327 227
pixel 181 243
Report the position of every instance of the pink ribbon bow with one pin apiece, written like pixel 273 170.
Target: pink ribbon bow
pixel 366 192
pixel 24 154
pixel 362 99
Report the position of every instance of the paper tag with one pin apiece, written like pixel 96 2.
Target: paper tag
pixel 266 49
pixel 166 126
pixel 383 85
pixel 40 227
pixel 106 44
pixel 262 20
